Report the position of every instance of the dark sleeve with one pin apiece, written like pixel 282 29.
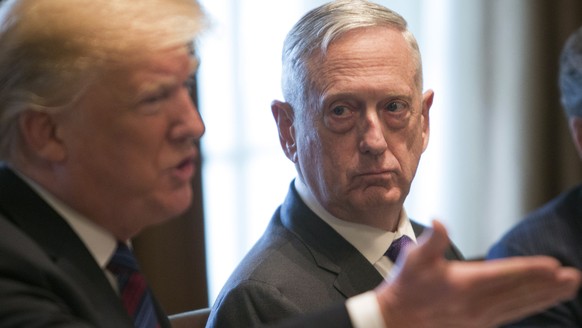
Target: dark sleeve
pixel 250 304
pixel 257 304
pixel 28 296
pixel 523 242
pixel 39 290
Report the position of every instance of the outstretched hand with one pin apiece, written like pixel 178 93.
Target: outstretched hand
pixel 430 291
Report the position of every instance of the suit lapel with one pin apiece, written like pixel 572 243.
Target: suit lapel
pixel 21 205
pixel 330 251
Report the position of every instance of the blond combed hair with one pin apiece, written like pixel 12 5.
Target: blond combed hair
pixel 51 50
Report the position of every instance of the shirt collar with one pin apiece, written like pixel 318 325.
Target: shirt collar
pixel 100 243
pixel 370 241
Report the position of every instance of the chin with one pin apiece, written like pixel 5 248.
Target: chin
pixel 176 203
pixel 178 208
pixel 381 196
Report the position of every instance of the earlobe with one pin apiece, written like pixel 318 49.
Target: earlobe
pixel 39 134
pixel 284 118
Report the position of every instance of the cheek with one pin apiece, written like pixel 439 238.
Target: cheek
pixel 315 158
pixel 339 157
pixel 414 135
pixel 324 155
pixel 139 140
pixel 412 153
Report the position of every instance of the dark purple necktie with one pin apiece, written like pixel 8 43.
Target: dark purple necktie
pixel 135 294
pixel 397 246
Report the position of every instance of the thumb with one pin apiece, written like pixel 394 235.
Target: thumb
pixel 430 249
pixel 433 243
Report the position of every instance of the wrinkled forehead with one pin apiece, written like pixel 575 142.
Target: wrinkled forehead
pixel 380 54
pixel 159 70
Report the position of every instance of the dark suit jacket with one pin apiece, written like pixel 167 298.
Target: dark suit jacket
pixel 300 265
pixel 555 229
pixel 48 278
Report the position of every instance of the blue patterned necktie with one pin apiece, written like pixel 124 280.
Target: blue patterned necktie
pixel 134 292
pixel 396 246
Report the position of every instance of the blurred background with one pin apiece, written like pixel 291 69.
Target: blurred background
pixel 499 144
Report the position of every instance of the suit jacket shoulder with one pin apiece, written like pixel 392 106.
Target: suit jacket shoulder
pixel 300 265
pixel 47 275
pixel 553 230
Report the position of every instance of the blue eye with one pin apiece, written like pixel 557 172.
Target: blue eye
pixel 395 106
pixel 339 110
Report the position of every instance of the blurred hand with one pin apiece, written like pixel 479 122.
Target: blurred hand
pixel 430 291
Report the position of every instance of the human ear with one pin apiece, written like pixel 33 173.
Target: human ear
pixel 284 118
pixel 39 133
pixel 427 99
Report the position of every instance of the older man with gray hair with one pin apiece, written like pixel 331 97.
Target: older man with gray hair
pixel 99 139
pixel 355 122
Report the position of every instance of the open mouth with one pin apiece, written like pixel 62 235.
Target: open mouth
pixel 185 169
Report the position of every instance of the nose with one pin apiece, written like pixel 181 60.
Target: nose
pixel 187 126
pixel 372 135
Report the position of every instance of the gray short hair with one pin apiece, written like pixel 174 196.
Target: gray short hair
pixel 51 50
pixel 570 79
pixel 314 32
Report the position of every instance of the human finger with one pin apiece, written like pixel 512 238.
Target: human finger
pixel 539 294
pixel 502 291
pixel 432 243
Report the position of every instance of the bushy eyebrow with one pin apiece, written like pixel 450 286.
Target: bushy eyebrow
pixel 165 83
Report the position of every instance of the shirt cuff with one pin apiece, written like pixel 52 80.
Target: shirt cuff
pixel 364 311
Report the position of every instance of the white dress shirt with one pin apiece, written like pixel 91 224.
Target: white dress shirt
pixel 100 242
pixel 363 309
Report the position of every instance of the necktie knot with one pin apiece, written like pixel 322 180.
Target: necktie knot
pixel 123 260
pixel 397 246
